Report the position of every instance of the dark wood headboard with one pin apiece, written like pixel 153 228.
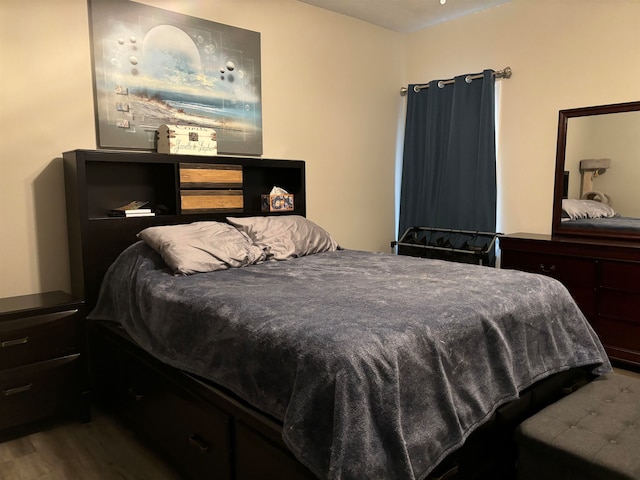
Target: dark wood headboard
pixel 97 181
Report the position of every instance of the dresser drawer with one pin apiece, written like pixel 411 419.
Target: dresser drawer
pixel 603 276
pixel 622 276
pixel 585 298
pixel 571 271
pixel 578 275
pixel 194 434
pixel 619 304
pixel 36 391
pixel 620 334
pixel 37 338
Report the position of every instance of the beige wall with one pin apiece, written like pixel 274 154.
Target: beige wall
pixel 564 54
pixel 330 97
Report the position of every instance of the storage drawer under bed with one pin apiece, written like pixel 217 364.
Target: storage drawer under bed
pixel 202 431
pixel 190 432
pixel 574 271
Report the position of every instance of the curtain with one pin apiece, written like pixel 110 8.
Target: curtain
pixel 449 162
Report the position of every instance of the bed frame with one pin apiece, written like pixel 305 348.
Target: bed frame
pixel 204 430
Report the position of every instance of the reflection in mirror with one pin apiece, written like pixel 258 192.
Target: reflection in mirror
pixel 609 147
pixel 597 191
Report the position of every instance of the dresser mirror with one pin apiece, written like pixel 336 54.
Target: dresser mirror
pixel 597 178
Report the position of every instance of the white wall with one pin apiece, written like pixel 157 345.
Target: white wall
pixel 564 54
pixel 330 96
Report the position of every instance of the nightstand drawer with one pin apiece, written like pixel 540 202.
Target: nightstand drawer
pixel 37 338
pixel 36 391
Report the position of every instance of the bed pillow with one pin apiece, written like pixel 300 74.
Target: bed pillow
pixel 285 236
pixel 201 247
pixel 576 209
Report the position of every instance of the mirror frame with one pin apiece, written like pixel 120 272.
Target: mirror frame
pixel 558 227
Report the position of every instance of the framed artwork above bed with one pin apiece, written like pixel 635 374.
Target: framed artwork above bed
pixel 153 67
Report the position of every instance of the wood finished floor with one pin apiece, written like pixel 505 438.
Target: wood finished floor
pixel 627 372
pixel 100 450
pixel 103 449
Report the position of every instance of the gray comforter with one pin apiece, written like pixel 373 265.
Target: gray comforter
pixel 377 365
pixel 631 224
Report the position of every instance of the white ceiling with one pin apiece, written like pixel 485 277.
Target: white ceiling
pixel 405 15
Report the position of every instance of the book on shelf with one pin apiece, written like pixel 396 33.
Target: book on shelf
pixel 132 209
pixel 137 213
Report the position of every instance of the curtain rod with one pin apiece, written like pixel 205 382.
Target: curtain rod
pixel 504 73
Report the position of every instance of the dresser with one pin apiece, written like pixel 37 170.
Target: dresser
pixel 603 276
pixel 40 368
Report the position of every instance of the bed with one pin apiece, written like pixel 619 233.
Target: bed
pixel 592 214
pixel 393 374
pixel 375 365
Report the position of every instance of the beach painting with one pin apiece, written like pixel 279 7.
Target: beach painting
pixel 153 67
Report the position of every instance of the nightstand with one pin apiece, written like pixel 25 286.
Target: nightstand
pixel 41 371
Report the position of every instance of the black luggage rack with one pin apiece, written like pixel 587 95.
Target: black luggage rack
pixel 464 246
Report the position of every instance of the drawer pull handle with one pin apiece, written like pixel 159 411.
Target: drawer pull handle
pixel 196 441
pixel 13 391
pixel 13 343
pixel 544 269
pixel 135 395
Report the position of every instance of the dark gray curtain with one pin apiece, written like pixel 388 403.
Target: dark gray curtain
pixel 449 163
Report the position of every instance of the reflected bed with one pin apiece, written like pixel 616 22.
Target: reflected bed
pixel 621 224
pixel 594 215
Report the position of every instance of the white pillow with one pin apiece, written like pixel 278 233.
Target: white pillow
pixel 285 236
pixel 201 247
pixel 576 209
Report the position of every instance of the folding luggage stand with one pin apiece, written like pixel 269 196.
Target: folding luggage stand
pixel 464 246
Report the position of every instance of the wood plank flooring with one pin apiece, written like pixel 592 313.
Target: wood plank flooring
pixel 103 449
pixel 627 372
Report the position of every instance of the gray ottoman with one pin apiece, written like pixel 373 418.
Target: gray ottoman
pixel 592 434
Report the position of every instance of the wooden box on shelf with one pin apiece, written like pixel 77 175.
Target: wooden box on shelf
pixel 203 201
pixel 210 187
pixel 186 140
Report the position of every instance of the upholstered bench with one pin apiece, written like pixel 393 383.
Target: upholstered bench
pixel 591 434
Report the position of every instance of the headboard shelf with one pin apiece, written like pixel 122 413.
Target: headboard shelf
pixel 97 181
